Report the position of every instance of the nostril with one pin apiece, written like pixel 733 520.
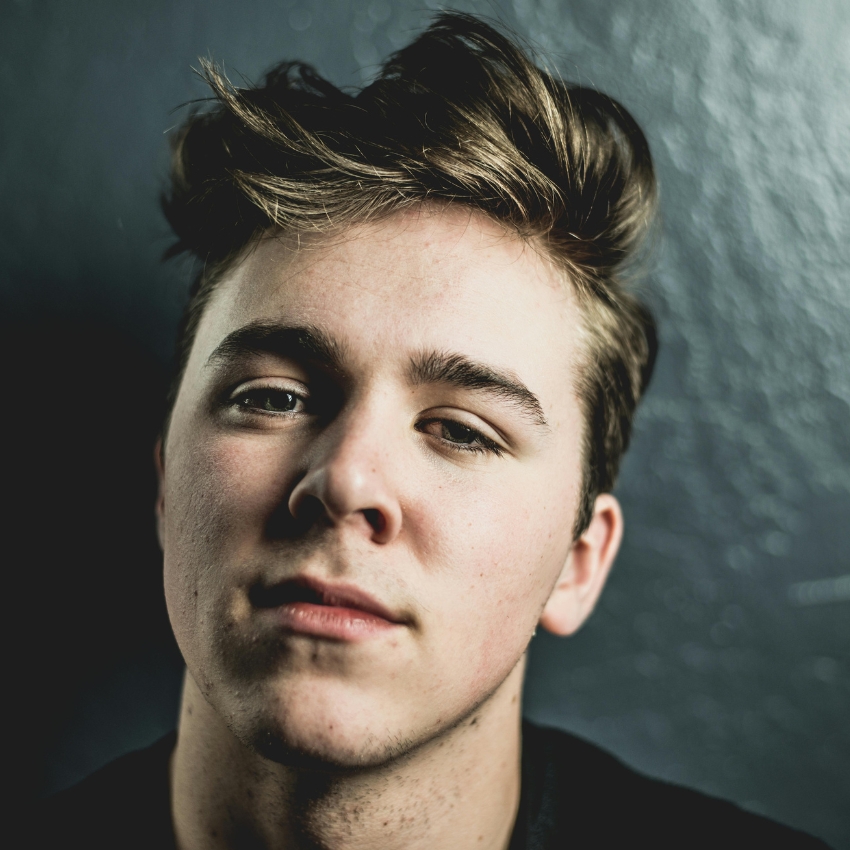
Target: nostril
pixel 376 519
pixel 292 520
pixel 307 510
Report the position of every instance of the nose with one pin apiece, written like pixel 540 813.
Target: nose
pixel 349 481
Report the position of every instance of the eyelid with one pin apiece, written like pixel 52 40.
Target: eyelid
pixel 287 385
pixel 228 401
pixel 470 420
pixel 483 444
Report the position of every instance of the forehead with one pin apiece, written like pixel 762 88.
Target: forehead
pixel 446 280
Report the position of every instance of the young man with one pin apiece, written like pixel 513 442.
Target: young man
pixel 408 371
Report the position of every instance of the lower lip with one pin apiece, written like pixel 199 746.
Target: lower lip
pixel 329 621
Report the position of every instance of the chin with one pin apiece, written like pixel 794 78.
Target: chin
pixel 344 717
pixel 325 727
pixel 319 751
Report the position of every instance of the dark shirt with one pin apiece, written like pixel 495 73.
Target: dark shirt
pixel 574 795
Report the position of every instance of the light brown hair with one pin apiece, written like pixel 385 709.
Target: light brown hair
pixel 460 116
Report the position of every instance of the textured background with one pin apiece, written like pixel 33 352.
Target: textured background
pixel 718 656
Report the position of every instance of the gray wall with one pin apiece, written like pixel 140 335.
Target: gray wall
pixel 718 656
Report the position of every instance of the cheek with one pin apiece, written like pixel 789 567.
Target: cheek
pixel 503 535
pixel 500 548
pixel 224 489
pixel 219 496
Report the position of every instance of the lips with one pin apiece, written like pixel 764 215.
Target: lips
pixel 315 608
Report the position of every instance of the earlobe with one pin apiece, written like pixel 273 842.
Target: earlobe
pixel 159 505
pixel 586 570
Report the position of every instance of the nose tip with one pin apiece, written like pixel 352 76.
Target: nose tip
pixel 347 490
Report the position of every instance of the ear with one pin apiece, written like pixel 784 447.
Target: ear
pixel 588 564
pixel 159 505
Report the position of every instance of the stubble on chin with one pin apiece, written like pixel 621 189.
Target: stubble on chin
pixel 332 729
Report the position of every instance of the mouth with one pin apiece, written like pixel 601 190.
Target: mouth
pixel 311 607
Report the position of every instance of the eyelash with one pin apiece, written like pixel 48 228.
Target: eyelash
pixel 239 401
pixel 484 444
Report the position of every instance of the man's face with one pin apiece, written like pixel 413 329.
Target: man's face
pixel 371 477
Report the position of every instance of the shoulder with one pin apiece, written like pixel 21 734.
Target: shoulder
pixel 579 793
pixel 126 803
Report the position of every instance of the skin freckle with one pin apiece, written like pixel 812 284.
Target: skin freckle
pixel 334 516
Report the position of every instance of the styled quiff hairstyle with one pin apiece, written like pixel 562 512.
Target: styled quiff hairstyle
pixel 460 116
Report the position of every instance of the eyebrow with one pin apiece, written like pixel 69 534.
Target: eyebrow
pixel 295 341
pixel 459 371
pixel 435 367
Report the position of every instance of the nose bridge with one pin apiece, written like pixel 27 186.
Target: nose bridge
pixel 351 471
pixel 357 453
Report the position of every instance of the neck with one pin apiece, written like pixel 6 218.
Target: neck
pixel 459 790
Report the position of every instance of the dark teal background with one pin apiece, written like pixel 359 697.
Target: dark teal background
pixel 711 660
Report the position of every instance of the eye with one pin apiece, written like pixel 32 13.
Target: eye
pixel 459 437
pixel 455 432
pixel 269 400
